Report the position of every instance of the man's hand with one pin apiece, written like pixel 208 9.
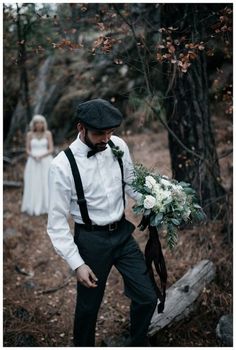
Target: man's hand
pixel 86 277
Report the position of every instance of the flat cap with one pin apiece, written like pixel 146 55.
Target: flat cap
pixel 99 114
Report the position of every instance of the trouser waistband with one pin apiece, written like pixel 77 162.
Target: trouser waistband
pixel 109 227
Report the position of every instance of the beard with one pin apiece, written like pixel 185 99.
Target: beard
pixel 101 146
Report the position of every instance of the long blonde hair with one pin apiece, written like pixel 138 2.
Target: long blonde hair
pixel 38 118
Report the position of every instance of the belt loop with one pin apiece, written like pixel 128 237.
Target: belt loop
pixel 113 226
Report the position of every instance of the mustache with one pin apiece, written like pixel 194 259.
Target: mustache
pixel 101 144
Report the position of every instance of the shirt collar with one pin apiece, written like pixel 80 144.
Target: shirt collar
pixel 78 147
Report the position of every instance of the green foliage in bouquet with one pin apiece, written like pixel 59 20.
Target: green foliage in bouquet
pixel 166 203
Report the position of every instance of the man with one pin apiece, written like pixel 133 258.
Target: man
pixel 89 181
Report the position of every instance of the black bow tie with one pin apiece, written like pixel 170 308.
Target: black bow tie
pixel 93 152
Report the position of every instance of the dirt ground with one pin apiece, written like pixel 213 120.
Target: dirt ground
pixel 40 290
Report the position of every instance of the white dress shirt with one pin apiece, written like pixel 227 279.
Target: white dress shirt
pixel 101 179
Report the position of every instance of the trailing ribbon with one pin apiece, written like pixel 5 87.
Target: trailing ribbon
pixel 153 254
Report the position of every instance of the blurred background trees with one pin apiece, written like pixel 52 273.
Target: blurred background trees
pixel 168 67
pixel 162 64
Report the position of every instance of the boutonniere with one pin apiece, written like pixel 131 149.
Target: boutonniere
pixel 118 153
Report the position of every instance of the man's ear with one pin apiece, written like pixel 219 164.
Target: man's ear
pixel 80 127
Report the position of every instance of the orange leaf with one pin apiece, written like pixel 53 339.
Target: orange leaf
pixel 171 49
pixel 192 55
pixel 101 26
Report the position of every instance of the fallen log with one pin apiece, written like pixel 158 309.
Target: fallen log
pixel 7 183
pixel 13 161
pixel 180 297
pixel 7 160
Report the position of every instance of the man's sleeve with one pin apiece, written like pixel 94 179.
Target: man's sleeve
pixel 129 174
pixel 58 227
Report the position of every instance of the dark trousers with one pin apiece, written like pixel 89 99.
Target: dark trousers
pixel 100 251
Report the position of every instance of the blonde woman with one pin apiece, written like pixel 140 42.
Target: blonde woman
pixel 39 148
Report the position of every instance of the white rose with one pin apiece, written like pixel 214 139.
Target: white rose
pixel 150 182
pixel 165 182
pixel 163 194
pixel 149 202
pixel 157 188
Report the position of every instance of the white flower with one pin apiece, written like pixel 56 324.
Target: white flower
pixel 186 214
pixel 150 182
pixel 166 194
pixel 180 195
pixel 160 207
pixel 166 199
pixel 149 202
pixel 165 182
pixel 163 194
pixel 157 188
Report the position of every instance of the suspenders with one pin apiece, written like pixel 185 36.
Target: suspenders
pixel 79 187
pixel 111 144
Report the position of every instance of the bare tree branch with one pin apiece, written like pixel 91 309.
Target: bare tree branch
pixel 131 26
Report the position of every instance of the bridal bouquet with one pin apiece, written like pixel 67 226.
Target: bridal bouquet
pixel 165 203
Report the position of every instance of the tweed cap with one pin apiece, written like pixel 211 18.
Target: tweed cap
pixel 99 114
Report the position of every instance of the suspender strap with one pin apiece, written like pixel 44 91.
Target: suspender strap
pixel 112 145
pixel 79 187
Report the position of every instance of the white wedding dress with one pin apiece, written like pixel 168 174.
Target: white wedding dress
pixel 35 196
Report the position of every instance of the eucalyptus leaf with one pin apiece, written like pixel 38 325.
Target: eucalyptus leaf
pixel 152 220
pixel 189 191
pixel 197 206
pixel 158 219
pixel 147 212
pixel 184 184
pixel 175 208
pixel 175 221
pixel 167 200
pixel 148 190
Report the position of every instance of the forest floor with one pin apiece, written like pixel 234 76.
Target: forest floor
pixel 40 290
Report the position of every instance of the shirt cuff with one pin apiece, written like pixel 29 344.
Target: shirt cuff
pixel 138 197
pixel 75 261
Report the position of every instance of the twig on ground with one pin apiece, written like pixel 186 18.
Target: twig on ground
pixel 55 289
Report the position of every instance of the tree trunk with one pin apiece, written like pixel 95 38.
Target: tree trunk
pixel 189 118
pixel 188 115
pixel 24 86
